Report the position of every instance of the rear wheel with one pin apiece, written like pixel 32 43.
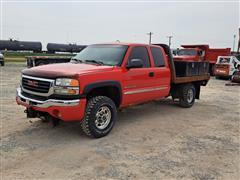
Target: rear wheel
pixel 2 63
pixel 99 117
pixel 187 96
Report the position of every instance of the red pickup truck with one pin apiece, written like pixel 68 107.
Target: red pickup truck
pixel 102 79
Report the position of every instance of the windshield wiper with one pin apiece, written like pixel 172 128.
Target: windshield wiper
pixel 94 61
pixel 76 60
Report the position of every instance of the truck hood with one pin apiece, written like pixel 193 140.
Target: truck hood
pixel 186 58
pixel 64 70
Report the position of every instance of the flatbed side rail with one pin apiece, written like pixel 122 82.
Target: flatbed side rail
pixel 180 80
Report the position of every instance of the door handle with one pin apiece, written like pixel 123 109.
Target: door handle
pixel 151 74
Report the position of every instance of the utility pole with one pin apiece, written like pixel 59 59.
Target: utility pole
pixel 238 41
pixel 150 37
pixel 234 38
pixel 169 40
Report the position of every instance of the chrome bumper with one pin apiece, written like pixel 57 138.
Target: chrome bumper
pixel 45 104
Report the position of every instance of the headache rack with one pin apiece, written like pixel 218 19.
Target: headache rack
pixel 184 72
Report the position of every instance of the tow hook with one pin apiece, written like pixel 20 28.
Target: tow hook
pixel 55 122
pixel 30 113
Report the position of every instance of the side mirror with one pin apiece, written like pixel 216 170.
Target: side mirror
pixel 134 63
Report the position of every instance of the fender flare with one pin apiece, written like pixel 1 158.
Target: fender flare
pixel 100 84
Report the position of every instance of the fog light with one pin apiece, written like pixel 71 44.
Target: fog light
pixel 72 91
pixel 66 91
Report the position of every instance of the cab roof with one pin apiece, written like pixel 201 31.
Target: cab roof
pixel 126 44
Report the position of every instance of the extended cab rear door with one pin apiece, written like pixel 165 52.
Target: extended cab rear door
pixel 142 84
pixel 162 74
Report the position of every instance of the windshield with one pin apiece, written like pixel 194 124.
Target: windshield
pixel 224 60
pixel 187 52
pixel 108 54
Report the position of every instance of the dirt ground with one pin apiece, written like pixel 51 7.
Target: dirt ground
pixel 158 140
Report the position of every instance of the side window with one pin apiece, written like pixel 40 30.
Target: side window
pixel 158 57
pixel 140 53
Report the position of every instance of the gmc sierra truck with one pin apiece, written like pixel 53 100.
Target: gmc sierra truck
pixel 102 79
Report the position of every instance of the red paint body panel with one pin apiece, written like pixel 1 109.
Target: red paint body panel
pixel 68 113
pixel 211 55
pixel 222 69
pixel 64 70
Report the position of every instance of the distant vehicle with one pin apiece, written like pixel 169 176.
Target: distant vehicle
pixel 1 59
pixel 201 53
pixel 33 61
pixel 226 66
pixel 72 48
pixel 14 45
pixel 103 78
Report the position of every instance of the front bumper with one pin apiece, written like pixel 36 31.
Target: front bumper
pixel 47 103
pixel 66 110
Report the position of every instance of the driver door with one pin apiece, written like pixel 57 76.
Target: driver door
pixel 137 82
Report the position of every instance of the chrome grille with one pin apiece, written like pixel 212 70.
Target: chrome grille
pixel 34 84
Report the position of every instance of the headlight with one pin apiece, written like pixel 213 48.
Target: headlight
pixel 66 86
pixel 66 82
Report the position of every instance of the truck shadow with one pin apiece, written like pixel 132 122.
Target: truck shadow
pixel 43 135
pixel 157 109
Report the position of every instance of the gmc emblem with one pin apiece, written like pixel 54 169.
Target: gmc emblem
pixel 32 83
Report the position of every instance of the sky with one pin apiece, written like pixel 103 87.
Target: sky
pixel 189 22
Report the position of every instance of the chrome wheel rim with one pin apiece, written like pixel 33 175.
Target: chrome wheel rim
pixel 189 95
pixel 103 117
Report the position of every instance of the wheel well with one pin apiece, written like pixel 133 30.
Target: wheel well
pixel 177 87
pixel 110 91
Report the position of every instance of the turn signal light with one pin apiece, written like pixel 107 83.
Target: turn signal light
pixel 74 82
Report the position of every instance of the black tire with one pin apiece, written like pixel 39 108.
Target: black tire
pixel 2 63
pixel 187 95
pixel 94 105
pixel 231 77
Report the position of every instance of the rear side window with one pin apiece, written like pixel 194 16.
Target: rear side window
pixel 158 57
pixel 140 53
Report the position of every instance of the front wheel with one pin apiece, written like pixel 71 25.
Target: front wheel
pixel 2 63
pixel 187 96
pixel 100 116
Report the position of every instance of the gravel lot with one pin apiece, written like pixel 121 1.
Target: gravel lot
pixel 158 140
